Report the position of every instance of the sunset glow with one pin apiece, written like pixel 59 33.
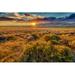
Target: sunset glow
pixel 33 24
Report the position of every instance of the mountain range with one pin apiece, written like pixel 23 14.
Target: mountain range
pixel 28 17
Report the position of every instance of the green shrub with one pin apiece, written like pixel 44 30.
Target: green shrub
pixel 55 39
pixel 55 42
pixel 63 54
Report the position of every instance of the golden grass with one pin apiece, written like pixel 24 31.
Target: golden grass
pixel 14 50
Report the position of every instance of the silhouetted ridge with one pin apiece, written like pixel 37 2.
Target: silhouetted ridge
pixel 5 18
pixel 72 16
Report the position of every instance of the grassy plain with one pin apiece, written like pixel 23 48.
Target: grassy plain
pixel 34 44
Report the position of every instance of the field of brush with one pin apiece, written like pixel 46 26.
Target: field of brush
pixel 33 44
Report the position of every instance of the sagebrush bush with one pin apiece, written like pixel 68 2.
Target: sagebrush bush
pixel 63 53
pixel 37 52
pixel 55 39
pixel 11 38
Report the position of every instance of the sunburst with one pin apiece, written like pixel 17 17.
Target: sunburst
pixel 33 24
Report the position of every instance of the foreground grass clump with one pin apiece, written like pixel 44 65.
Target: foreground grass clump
pixel 37 52
pixel 63 53
pixel 46 52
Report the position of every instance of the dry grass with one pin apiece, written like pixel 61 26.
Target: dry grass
pixel 37 46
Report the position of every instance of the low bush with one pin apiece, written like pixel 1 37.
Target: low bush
pixel 11 38
pixel 63 53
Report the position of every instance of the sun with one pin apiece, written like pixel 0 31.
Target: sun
pixel 33 24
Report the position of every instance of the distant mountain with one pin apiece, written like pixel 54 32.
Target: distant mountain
pixel 5 19
pixel 31 17
pixel 68 18
pixel 72 16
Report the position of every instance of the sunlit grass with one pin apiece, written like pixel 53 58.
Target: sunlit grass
pixel 37 46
